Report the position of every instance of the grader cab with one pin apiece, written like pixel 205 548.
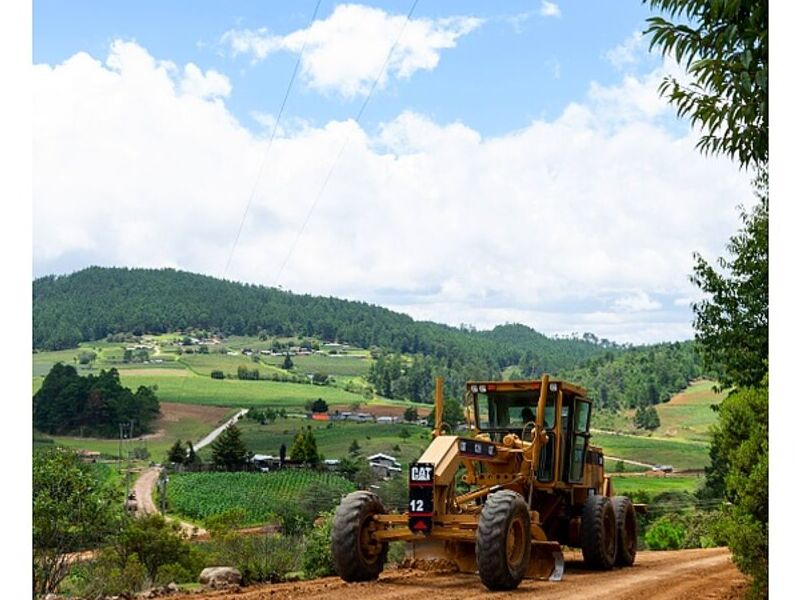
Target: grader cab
pixel 504 498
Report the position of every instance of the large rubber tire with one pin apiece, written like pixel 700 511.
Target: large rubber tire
pixel 355 556
pixel 627 541
pixel 599 533
pixel 503 545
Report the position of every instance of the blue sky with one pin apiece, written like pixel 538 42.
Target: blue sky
pixel 517 65
pixel 514 163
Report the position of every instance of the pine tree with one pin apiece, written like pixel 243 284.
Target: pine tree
pixel 228 451
pixel 192 458
pixel 304 448
pixel 177 454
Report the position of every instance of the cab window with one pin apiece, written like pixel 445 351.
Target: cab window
pixel 579 439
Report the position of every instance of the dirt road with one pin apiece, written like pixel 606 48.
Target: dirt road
pixel 705 574
pixel 144 491
pixel 144 498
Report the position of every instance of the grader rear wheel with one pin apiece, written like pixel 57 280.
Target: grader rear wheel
pixel 599 533
pixel 357 556
pixel 503 545
pixel 626 530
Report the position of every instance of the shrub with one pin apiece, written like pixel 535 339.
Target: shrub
pixel 107 577
pixel 156 543
pixel 319 498
pixel 258 558
pixel 73 510
pixel 317 558
pixel 702 530
pixel 397 553
pixel 85 358
pixel 216 374
pixel 666 533
pixel 293 520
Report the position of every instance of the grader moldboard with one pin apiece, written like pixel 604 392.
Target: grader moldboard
pixel 503 500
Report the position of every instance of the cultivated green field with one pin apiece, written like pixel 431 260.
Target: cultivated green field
pixel 680 454
pixel 688 415
pixel 655 484
pixel 176 385
pixel 198 496
pixel 327 365
pixel 680 441
pixel 186 377
pixel 203 364
pixel 334 437
pixel 194 389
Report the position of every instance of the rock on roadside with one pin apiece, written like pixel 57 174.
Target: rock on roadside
pixel 220 576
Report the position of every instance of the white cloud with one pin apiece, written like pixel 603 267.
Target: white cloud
pixel 638 301
pixel 629 53
pixel 210 84
pixel 345 52
pixel 516 21
pixel 549 9
pixel 570 224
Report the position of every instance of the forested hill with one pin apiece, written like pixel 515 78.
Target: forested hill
pixel 95 302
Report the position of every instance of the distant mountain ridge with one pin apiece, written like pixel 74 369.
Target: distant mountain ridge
pixel 95 302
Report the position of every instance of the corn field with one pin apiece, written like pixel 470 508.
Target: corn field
pixel 198 496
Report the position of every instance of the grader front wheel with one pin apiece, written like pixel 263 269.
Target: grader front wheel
pixel 503 544
pixel 357 556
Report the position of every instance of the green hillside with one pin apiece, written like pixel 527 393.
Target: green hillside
pixel 95 302
pixel 391 356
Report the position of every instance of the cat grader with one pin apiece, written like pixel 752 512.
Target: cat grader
pixel 501 499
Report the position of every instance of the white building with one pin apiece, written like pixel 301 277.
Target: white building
pixel 384 465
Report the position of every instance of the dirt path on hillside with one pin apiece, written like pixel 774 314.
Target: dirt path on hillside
pixel 630 462
pixel 213 435
pixel 703 574
pixel 143 487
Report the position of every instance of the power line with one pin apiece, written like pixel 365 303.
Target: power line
pixel 344 143
pixel 269 145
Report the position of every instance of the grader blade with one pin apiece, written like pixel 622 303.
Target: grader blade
pixel 547 561
pixel 558 572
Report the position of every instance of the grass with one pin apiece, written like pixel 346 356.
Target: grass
pixel 176 426
pixel 655 484
pixel 334 437
pixel 612 467
pixel 611 421
pixel 689 415
pixel 681 454
pixel 203 364
pixel 195 389
pixel 327 365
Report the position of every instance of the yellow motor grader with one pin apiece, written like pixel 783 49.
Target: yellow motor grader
pixel 501 499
